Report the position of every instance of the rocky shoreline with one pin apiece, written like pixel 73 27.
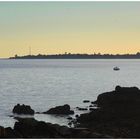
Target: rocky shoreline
pixel 114 114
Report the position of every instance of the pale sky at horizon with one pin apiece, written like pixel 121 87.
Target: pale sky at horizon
pixel 75 27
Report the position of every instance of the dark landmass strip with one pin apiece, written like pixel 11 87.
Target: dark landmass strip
pixel 117 116
pixel 79 56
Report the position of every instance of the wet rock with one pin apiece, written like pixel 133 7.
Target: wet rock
pixel 70 124
pixel 91 105
pixel 23 109
pixel 69 118
pixel 86 101
pixel 93 102
pixel 91 109
pixel 11 116
pixel 76 116
pixel 38 112
pixel 65 110
pixel 81 108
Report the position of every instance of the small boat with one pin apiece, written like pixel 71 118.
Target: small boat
pixel 116 68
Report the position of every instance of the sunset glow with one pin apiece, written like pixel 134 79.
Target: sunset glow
pixel 75 27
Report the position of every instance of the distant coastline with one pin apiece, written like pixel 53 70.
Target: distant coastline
pixel 79 56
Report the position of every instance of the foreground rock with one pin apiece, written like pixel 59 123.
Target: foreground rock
pixel 118 113
pixel 65 110
pixel 9 133
pixel 117 116
pixel 31 128
pixel 23 109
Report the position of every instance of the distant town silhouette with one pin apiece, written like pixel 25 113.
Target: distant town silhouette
pixel 79 56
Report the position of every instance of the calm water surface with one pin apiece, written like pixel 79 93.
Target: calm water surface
pixel 46 83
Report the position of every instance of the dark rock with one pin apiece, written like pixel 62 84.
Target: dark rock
pixel 64 131
pixel 25 127
pixel 91 109
pixel 11 115
pixel 81 109
pixel 98 136
pixel 23 109
pixel 91 105
pixel 65 109
pixel 121 95
pixel 118 114
pixel 79 132
pixel 46 130
pixel 70 124
pixel 38 112
pixel 69 118
pixel 8 133
pixel 31 128
pixel 2 132
pixel 86 101
pixel 86 133
pixel 83 134
pixel 76 115
pixel 120 89
pixel 93 102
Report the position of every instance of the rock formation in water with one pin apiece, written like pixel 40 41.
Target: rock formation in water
pixel 86 101
pixel 65 110
pixel 23 109
pixel 116 116
pixel 31 128
pixel 118 113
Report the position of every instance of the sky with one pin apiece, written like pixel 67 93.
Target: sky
pixel 76 27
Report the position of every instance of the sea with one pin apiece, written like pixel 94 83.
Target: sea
pixel 46 83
